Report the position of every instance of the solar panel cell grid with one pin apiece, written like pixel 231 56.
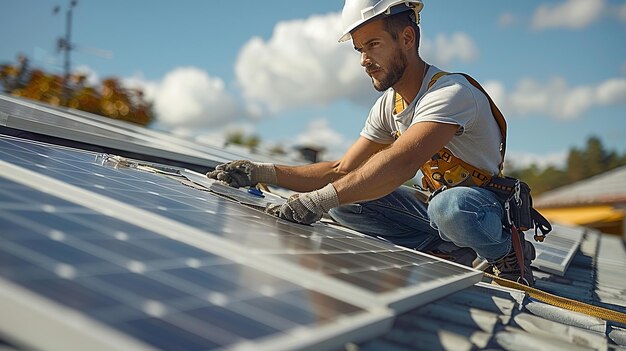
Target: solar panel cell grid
pixel 166 293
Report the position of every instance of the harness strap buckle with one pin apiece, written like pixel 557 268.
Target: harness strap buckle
pixel 507 212
pixel 516 193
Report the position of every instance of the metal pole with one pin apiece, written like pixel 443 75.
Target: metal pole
pixel 67 46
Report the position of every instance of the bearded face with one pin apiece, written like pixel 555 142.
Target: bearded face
pixel 381 54
pixel 385 75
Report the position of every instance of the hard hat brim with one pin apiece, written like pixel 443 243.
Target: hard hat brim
pixel 415 6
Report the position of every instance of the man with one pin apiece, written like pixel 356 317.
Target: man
pixel 417 116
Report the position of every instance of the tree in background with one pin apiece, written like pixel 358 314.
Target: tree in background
pixel 238 138
pixel 575 165
pixel 109 99
pixel 594 159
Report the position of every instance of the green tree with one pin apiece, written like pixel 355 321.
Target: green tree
pixel 549 178
pixel 576 168
pixel 596 158
pixel 592 160
pixel 237 137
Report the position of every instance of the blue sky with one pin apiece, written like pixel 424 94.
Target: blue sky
pixel 274 68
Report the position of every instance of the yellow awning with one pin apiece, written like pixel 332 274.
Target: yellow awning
pixel 584 215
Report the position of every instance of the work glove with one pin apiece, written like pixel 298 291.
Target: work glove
pixel 306 208
pixel 242 173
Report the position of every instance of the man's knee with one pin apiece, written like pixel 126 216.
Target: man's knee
pixel 445 207
pixel 464 215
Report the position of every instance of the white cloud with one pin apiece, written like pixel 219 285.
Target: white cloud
pixel 571 14
pixel 555 97
pixel 612 92
pixel 443 49
pixel 302 64
pixel 187 97
pixel 319 134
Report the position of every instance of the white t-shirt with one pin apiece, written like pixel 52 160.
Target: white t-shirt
pixel 452 99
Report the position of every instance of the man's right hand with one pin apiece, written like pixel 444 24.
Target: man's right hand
pixel 242 173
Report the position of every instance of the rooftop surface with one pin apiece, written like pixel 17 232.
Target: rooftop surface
pixel 606 188
pixel 490 317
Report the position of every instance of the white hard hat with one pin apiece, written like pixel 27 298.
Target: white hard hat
pixel 357 12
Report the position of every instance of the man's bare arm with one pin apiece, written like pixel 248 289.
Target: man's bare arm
pixel 391 167
pixel 315 176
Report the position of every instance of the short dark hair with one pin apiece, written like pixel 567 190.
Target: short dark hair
pixel 395 24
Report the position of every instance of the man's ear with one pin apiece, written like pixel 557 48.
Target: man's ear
pixel 408 37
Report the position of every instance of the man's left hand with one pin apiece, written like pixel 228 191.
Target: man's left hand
pixel 306 208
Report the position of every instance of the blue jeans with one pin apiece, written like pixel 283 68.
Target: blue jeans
pixel 465 216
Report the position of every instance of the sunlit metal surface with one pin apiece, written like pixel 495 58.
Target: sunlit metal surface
pixel 137 251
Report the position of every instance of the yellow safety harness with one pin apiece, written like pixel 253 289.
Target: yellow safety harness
pixel 445 169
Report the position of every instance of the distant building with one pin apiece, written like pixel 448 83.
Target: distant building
pixel 310 153
pixel 598 202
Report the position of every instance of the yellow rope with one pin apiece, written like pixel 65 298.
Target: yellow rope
pixel 562 302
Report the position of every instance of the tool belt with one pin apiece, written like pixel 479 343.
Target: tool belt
pixel 518 206
pixel 444 170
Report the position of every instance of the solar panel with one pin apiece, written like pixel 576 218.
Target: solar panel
pixel 150 215
pixel 97 130
pixel 555 253
pixel 130 281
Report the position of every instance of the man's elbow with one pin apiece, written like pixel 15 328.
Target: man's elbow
pixel 339 170
pixel 406 167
